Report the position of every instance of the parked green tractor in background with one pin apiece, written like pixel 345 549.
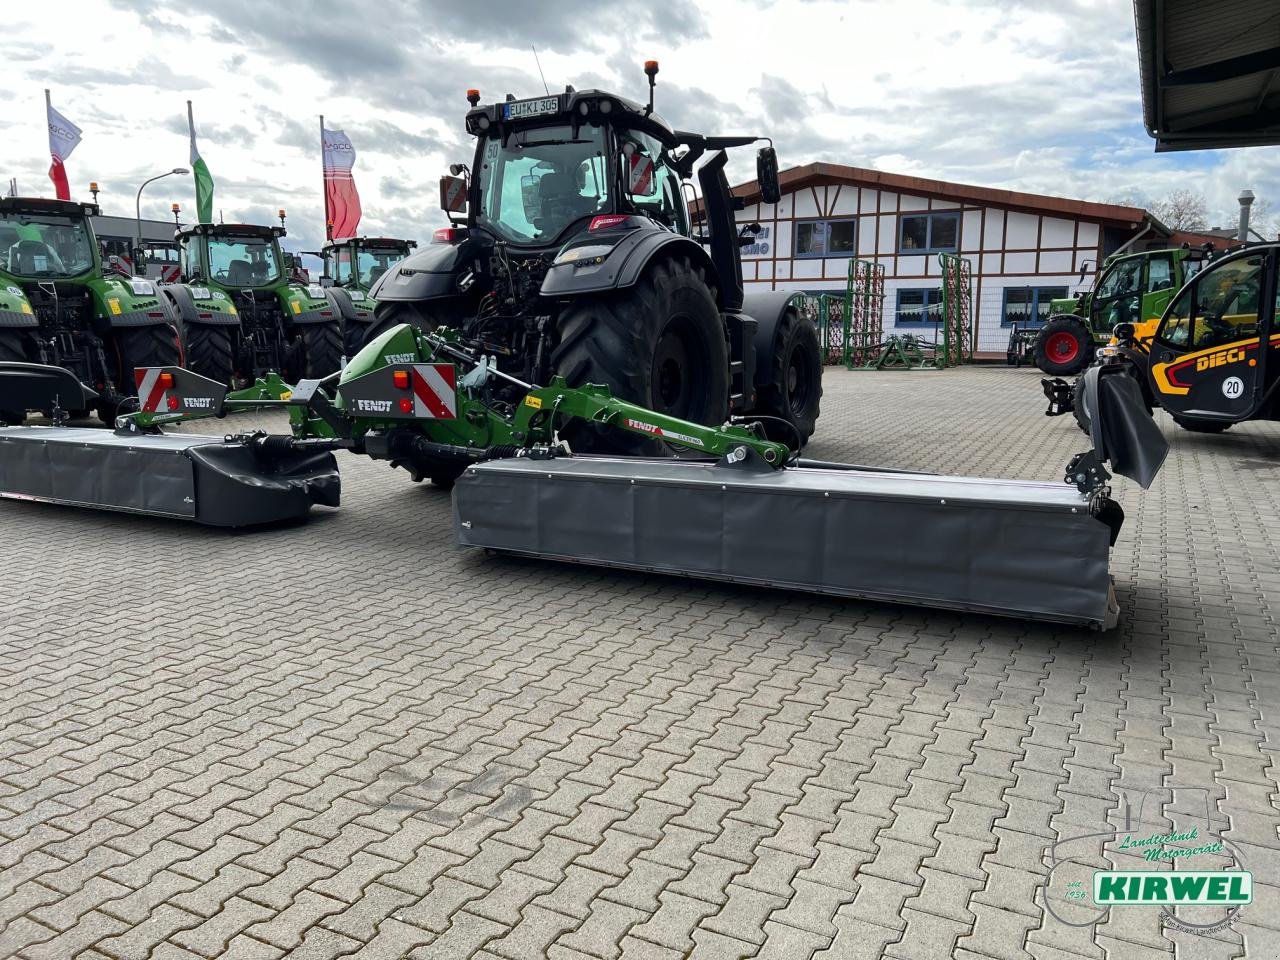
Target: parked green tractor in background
pixel 59 306
pixel 242 316
pixel 351 267
pixel 1131 288
pixel 574 254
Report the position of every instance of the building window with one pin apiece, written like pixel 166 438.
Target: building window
pixel 929 233
pixel 825 238
pixel 1028 305
pixel 918 307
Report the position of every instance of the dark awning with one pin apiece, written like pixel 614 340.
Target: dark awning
pixel 1208 72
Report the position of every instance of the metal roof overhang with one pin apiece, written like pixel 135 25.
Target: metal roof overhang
pixel 1209 72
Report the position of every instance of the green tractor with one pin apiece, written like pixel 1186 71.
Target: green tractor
pixel 242 315
pixel 59 306
pixel 1131 288
pixel 351 267
pixel 573 253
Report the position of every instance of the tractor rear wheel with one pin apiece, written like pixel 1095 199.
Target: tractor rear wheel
pixel 1195 425
pixel 660 344
pixel 388 315
pixel 1063 347
pixel 321 350
pixel 210 352
pixel 133 347
pixel 13 350
pixel 796 388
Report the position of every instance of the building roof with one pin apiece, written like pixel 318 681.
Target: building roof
pixel 1207 72
pixel 815 174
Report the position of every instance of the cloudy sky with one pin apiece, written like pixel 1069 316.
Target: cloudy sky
pixel 1037 95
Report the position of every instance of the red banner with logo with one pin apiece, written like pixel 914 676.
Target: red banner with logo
pixel 341 200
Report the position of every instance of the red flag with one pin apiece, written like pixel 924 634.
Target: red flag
pixel 63 137
pixel 341 201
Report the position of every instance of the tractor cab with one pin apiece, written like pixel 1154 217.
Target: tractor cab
pixel 233 255
pixel 357 263
pixel 1214 355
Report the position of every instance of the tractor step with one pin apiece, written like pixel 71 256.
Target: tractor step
pixel 1007 547
pixel 232 482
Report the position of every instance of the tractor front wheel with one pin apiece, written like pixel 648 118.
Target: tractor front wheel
pixel 796 388
pixel 133 347
pixel 659 343
pixel 210 352
pixel 321 351
pixel 13 350
pixel 1063 347
pixel 392 314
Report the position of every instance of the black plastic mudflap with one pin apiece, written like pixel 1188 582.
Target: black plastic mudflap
pixel 1033 550
pixel 222 483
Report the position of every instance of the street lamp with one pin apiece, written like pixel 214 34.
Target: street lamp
pixel 180 171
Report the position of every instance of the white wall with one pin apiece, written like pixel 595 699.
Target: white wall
pixel 1007 248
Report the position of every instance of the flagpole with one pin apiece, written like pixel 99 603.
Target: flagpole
pixel 324 188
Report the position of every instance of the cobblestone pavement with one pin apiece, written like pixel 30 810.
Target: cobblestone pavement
pixel 347 738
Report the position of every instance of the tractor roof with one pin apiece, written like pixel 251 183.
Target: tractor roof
pixel 598 106
pixel 230 230
pixel 52 208
pixel 371 242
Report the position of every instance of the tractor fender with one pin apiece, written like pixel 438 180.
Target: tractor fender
pixel 303 304
pixel 347 307
pixel 15 309
pixel 768 309
pixel 195 304
pixel 427 275
pixel 128 302
pixel 614 260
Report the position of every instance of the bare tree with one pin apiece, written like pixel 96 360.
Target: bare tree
pixel 1263 220
pixel 1182 210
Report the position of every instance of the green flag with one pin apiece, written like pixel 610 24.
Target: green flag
pixel 204 180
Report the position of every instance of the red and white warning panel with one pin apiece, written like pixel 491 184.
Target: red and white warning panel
pixel 173 392
pixel 412 391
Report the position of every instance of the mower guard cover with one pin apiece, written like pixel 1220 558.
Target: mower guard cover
pixel 1122 431
pixel 222 483
pixel 37 386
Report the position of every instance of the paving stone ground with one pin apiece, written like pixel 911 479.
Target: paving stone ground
pixel 346 738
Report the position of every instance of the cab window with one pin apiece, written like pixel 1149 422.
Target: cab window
pixel 649 182
pixel 1159 274
pixel 1124 277
pixel 1220 307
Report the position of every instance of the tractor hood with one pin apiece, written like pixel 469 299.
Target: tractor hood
pixel 119 302
pixel 428 273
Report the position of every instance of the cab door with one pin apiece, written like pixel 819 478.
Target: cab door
pixel 1118 296
pixel 1209 358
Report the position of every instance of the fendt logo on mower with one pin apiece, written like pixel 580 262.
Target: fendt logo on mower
pixel 393 358
pixel 373 406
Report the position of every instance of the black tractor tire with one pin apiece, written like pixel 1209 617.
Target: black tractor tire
pixel 1063 347
pixel 13 350
pixel 132 347
pixel 660 343
pixel 795 390
pixel 1196 425
pixel 387 315
pixel 210 351
pixel 321 352
pixel 1083 419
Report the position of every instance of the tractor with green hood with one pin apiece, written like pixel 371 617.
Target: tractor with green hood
pixel 240 312
pixel 351 267
pixel 60 306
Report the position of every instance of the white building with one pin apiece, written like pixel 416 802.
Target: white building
pixel 1024 249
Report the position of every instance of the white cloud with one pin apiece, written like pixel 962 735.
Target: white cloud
pixel 1038 95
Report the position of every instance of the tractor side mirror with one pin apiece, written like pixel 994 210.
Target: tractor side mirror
pixel 1123 332
pixel 767 174
pixel 531 196
pixel 453 195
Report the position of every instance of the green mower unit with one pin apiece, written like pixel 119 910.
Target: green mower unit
pixel 59 306
pixel 242 316
pixel 351 268
pixel 734 506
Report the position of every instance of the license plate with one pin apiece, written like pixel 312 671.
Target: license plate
pixel 519 109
